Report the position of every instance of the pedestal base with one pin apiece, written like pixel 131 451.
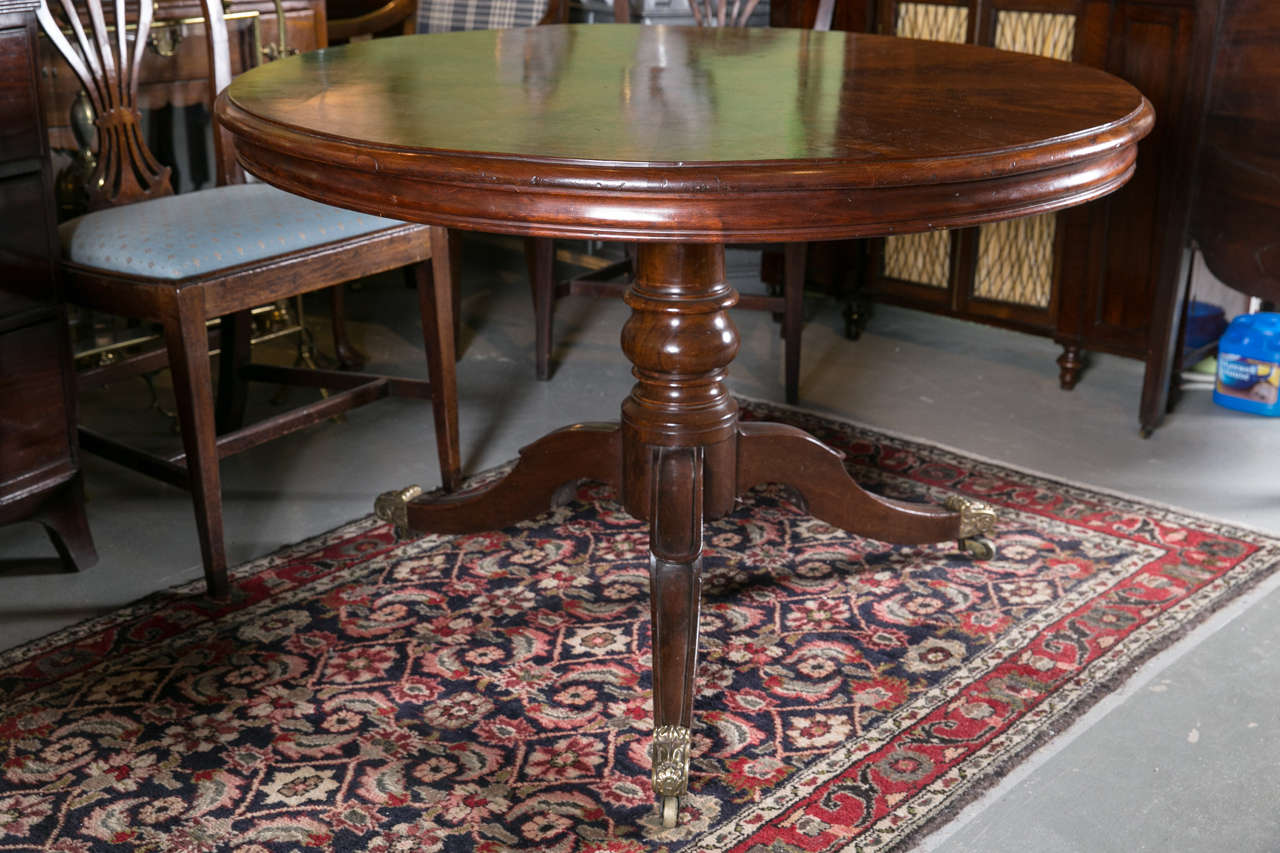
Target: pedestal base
pixel 678 455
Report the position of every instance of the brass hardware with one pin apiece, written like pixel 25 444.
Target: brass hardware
pixel 393 506
pixel 281 48
pixel 71 187
pixel 977 518
pixel 164 41
pixel 670 753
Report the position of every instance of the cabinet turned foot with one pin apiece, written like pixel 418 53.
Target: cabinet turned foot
pixel 1070 365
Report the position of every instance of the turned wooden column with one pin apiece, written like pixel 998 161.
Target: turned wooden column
pixel 680 339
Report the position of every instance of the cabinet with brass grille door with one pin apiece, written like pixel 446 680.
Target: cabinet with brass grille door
pixel 1087 276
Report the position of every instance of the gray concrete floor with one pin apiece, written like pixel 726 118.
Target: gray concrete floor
pixel 1186 756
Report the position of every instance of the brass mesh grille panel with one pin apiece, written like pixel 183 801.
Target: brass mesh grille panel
pixel 1041 33
pixel 1015 258
pixel 1015 261
pixel 925 258
pixel 920 258
pixel 932 21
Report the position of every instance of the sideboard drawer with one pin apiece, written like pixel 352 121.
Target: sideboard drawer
pixel 26 247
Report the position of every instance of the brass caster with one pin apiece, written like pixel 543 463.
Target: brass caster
pixel 393 507
pixel 977 521
pixel 979 547
pixel 670 811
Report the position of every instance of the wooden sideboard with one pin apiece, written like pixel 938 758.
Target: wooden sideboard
pixel 1089 277
pixel 39 464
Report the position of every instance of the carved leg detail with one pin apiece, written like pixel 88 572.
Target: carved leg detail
pixel 776 453
pixel 675 579
pixel 580 452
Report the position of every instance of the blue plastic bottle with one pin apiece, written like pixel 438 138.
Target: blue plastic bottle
pixel 1249 365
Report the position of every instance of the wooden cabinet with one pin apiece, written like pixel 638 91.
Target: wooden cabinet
pixel 39 467
pixel 1088 276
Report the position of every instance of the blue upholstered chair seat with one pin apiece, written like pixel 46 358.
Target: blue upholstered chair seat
pixel 202 232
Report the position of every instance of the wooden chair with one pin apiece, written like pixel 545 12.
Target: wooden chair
pixel 442 16
pixel 355 19
pixel 182 260
pixel 790 304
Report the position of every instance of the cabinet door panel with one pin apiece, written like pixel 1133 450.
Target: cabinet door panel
pixel 33 414
pixel 1151 45
pixel 19 137
pixel 25 245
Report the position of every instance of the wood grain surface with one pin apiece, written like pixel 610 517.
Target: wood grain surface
pixel 691 134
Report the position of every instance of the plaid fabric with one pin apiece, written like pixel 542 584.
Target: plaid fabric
pixel 440 16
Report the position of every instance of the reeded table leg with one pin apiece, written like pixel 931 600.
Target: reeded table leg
pixel 678 455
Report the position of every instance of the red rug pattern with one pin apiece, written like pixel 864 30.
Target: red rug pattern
pixel 489 692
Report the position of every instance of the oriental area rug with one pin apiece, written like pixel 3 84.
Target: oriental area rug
pixel 490 692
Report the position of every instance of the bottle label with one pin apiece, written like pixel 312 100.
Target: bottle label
pixel 1249 379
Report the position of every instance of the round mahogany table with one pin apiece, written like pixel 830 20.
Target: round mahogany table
pixel 684 139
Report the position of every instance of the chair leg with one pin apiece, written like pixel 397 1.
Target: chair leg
pixel 349 358
pixel 436 286
pixel 233 391
pixel 188 346
pixel 793 315
pixel 539 255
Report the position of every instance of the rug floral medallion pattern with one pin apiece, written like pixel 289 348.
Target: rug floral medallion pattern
pixel 490 692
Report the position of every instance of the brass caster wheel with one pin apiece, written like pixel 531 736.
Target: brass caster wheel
pixel 980 547
pixel 670 811
pixel 393 506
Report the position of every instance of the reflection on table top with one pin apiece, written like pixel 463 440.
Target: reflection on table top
pixel 634 94
pixel 714 135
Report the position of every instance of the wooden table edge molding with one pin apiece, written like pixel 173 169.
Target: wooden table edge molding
pixel 679 453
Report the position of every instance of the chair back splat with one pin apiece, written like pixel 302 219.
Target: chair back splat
pixel 106 59
pixel 126 170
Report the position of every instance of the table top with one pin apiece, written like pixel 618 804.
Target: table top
pixel 656 132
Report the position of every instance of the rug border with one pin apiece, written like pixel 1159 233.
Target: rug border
pixel 990 776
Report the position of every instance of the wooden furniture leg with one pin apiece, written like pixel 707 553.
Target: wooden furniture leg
pixel 793 315
pixel 233 355
pixel 675 589
pixel 61 514
pixel 540 254
pixel 188 345
pixel 349 357
pixel 436 289
pixel 678 455
pixel 1070 366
